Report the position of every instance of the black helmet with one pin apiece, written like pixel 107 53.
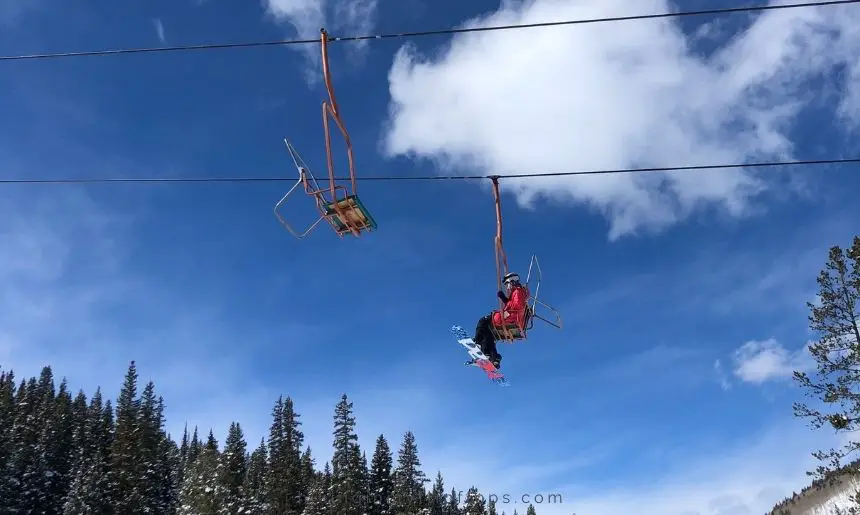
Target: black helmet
pixel 511 278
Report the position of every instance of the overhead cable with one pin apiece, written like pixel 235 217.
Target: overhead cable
pixel 766 164
pixel 399 35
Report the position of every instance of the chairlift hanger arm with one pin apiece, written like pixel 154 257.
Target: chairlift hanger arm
pixel 331 107
pixel 501 256
pixel 504 332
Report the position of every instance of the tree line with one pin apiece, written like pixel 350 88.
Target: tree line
pixel 69 455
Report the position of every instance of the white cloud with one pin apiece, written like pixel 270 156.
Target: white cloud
pixel 307 17
pixel 358 16
pixel 159 29
pixel 721 376
pixel 617 95
pixel 761 361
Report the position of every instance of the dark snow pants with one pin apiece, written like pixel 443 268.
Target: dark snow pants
pixel 484 337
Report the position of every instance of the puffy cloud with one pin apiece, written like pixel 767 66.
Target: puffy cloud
pixel 617 95
pixel 308 16
pixel 761 361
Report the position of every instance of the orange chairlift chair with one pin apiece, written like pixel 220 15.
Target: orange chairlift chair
pixel 345 212
pixel 509 333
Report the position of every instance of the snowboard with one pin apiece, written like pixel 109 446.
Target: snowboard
pixel 479 359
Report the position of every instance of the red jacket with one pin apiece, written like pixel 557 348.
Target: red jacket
pixel 515 309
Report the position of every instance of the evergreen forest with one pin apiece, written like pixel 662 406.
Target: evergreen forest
pixel 67 454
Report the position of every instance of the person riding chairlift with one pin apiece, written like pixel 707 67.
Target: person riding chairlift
pixel 515 297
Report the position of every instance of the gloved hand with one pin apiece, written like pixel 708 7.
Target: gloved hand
pixel 502 296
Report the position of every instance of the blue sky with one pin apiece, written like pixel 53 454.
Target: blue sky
pixel 683 295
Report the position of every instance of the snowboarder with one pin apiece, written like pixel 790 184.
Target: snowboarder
pixel 514 297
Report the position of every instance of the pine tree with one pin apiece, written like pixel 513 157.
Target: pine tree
pixel 58 440
pixel 308 475
pixel 148 451
pixel 381 486
pixel 317 502
pixel 255 485
pixel 7 406
pixel 347 477
pixel 8 409
pixel 474 503
pixel 362 479
pixel 837 354
pixel 21 440
pixel 436 501
pixel 284 492
pixel 183 455
pixel 125 461
pixel 277 489
pixel 194 448
pixel 531 510
pixel 293 442
pixel 328 486
pixel 232 472
pixel 107 429
pixel 34 485
pixel 408 478
pixel 198 495
pixel 89 493
pixel 453 506
pixel 169 466
pixel 80 416
pixel 491 507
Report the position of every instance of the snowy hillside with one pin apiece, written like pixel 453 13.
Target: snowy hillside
pixel 823 497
